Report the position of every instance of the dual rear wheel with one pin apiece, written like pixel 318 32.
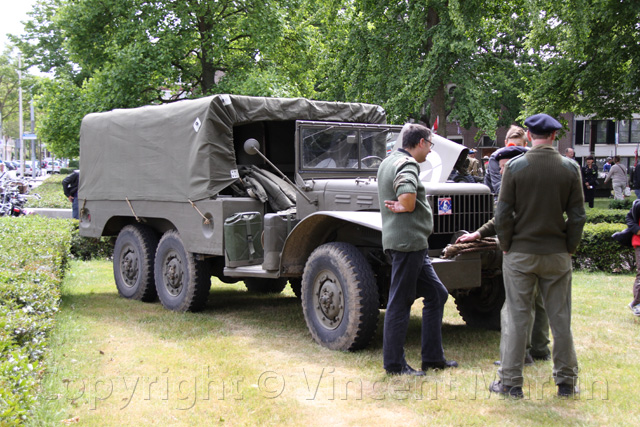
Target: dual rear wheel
pixel 146 268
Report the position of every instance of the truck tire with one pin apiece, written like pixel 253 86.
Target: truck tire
pixel 182 282
pixel 480 308
pixel 133 256
pixel 340 297
pixel 265 286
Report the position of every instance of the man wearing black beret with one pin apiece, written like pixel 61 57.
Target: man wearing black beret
pixel 538 189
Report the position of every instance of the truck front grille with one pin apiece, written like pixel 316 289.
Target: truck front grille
pixel 468 212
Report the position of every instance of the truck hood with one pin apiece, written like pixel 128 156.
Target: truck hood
pixel 441 160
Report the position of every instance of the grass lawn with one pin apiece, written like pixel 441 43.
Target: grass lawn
pixel 249 360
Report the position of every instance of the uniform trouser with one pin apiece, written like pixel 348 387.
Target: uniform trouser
pixel 412 276
pixel 636 285
pixel 538 336
pixel 552 272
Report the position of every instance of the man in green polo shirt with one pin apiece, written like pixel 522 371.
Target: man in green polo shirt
pixel 538 189
pixel 407 222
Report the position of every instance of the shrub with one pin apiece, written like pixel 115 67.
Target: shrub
pixel 612 216
pixel 74 164
pixel 86 248
pixel 66 171
pixel 621 204
pixel 33 259
pixel 599 252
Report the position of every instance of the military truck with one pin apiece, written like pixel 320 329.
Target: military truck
pixel 265 191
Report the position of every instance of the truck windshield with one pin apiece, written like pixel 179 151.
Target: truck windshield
pixel 336 147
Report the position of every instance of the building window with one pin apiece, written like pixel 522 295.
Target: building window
pixel 604 131
pixel 629 131
pixel 635 132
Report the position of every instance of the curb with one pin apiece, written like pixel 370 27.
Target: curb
pixel 52 213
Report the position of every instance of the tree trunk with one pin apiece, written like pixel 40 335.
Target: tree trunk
pixel 437 103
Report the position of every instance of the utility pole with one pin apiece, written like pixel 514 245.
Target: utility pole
pixel 20 113
pixel 33 142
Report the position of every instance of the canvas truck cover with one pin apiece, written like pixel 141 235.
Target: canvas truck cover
pixel 184 150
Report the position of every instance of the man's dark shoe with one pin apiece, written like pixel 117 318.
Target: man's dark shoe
pixel 512 391
pixel 407 370
pixel 542 358
pixel 439 365
pixel 567 390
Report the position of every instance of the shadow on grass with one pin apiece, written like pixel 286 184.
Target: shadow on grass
pixel 267 317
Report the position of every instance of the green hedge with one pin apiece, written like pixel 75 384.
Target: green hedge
pixel 33 259
pixel 66 171
pixel 621 204
pixel 86 248
pixel 613 216
pixel 599 252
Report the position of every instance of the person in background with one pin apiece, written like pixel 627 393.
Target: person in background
pixel 633 221
pixel 569 153
pixel 590 180
pixel 70 189
pixel 515 137
pixel 407 223
pixel 607 165
pixel 618 176
pixel 636 181
pixel 539 222
pixel 475 168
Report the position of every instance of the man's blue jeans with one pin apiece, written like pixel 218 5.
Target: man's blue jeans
pixel 412 276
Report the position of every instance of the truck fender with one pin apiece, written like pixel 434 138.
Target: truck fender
pixel 317 229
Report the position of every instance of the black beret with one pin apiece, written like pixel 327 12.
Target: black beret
pixel 541 124
pixel 510 152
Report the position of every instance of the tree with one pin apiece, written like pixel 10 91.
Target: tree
pixel 9 87
pixel 8 92
pixel 433 58
pixel 589 58
pixel 123 53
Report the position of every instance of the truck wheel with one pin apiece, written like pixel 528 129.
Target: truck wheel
pixel 340 297
pixel 481 306
pixel 182 282
pixel 265 286
pixel 133 256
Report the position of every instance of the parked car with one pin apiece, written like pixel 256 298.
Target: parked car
pixel 28 170
pixel 53 166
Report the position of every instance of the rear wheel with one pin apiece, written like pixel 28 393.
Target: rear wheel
pixel 133 257
pixel 481 306
pixel 182 282
pixel 265 286
pixel 340 297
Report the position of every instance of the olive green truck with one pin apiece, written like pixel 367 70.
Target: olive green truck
pixel 268 191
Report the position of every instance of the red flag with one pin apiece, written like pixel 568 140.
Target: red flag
pixel 435 125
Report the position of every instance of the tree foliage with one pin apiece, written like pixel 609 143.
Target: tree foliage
pixel 433 58
pixel 9 88
pixel 482 63
pixel 589 57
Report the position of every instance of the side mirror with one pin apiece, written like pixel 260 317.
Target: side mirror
pixel 251 146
